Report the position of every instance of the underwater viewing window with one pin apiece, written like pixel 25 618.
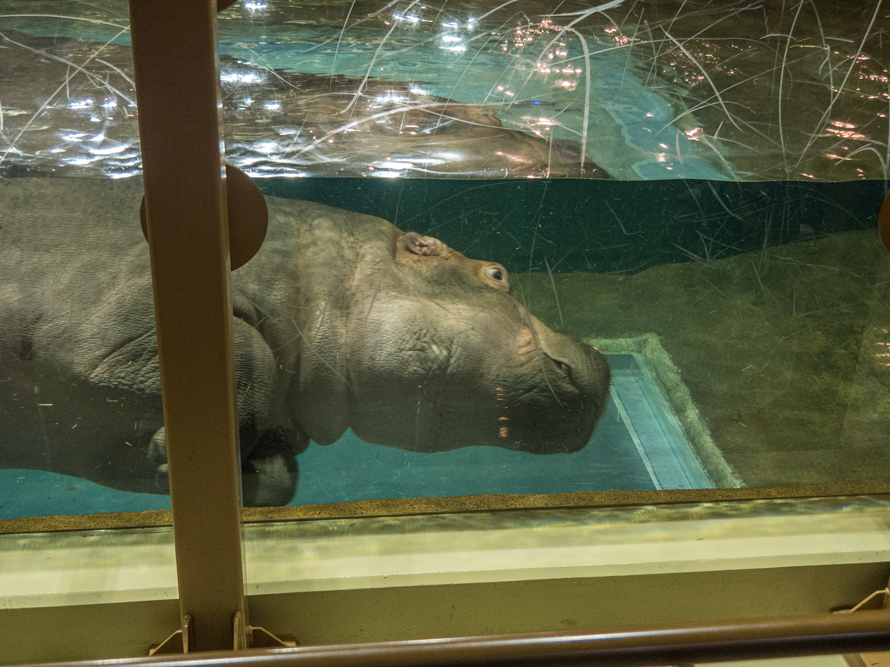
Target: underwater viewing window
pixel 693 190
pixel 537 260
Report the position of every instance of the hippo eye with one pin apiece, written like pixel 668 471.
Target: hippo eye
pixel 496 275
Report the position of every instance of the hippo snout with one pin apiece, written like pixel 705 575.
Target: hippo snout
pixel 585 367
pixel 571 394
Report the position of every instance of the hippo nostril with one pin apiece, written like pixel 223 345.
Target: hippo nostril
pixel 563 367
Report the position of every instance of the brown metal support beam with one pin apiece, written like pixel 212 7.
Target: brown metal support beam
pixel 180 127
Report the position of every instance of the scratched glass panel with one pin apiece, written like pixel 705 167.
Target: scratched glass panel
pixel 690 187
pixel 623 89
pixel 79 391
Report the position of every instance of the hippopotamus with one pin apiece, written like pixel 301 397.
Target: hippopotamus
pixel 340 321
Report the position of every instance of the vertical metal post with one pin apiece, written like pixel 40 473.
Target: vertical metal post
pixel 178 95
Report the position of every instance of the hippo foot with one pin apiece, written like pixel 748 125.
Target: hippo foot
pixel 157 447
pixel 157 454
pixel 269 474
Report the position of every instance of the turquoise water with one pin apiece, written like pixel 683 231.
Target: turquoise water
pixel 614 104
pixel 353 470
pixel 623 454
pixel 474 76
pixel 567 226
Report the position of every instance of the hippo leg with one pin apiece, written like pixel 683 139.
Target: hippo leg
pixel 157 454
pixel 268 455
pixel 269 471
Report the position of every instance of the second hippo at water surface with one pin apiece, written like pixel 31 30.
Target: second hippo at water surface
pixel 340 321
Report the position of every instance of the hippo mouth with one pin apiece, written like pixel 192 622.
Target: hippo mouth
pixel 551 407
pixel 545 427
pixel 562 412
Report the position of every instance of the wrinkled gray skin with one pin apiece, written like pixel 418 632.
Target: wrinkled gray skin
pixel 341 320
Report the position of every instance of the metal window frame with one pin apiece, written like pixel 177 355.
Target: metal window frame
pixel 176 65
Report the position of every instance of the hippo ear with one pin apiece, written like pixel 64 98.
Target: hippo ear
pixel 423 245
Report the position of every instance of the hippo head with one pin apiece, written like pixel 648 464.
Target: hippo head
pixel 442 356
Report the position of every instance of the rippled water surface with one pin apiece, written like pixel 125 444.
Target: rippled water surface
pixel 633 90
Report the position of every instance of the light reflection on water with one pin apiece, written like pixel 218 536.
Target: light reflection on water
pixel 691 93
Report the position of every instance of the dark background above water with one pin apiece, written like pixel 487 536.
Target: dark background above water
pixel 601 226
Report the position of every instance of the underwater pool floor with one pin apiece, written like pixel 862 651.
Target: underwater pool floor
pixel 638 445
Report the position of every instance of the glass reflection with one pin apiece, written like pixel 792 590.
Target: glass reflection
pixel 516 90
pixel 738 296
